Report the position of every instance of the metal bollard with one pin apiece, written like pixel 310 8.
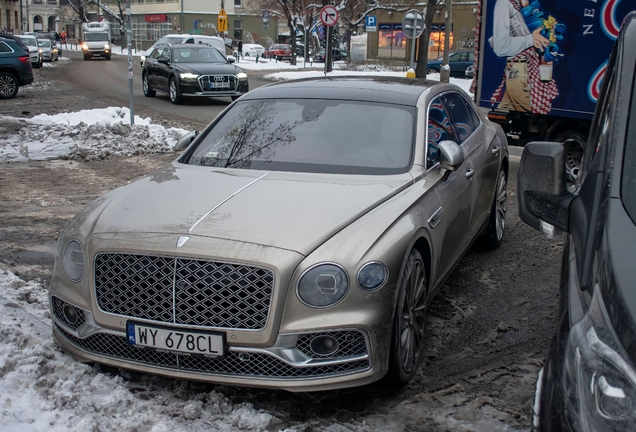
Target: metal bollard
pixel 256 58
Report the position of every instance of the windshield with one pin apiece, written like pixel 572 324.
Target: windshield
pixel 197 55
pixel 628 184
pixel 45 43
pixel 29 41
pixel 314 135
pixel 91 37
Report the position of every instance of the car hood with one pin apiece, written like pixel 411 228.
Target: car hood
pixel 293 211
pixel 207 68
pixel 33 49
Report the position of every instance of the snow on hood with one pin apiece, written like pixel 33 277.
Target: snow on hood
pixel 87 134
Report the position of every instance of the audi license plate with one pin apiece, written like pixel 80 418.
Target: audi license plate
pixel 184 342
pixel 219 85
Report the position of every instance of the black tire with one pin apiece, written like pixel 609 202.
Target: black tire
pixel 86 57
pixel 492 237
pixel 175 93
pixel 148 92
pixel 431 70
pixel 56 58
pixel 9 85
pixel 41 61
pixel 37 65
pixel 409 324
pixel 108 58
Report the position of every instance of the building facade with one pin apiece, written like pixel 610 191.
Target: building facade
pixel 40 15
pixel 9 16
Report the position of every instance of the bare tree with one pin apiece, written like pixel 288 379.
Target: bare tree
pixel 432 6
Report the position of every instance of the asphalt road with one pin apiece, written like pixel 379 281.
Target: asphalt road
pixel 110 79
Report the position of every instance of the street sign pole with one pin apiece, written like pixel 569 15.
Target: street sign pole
pixel 327 56
pixel 413 41
pixel 413 26
pixel 329 17
pixel 130 64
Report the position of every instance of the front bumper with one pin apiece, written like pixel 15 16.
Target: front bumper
pixel 285 365
pixel 97 52
pixel 193 88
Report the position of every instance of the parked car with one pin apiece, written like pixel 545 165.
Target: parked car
pixel 176 39
pixel 35 52
pixel 588 381
pixel 470 72
pixel 300 50
pixel 458 62
pixel 15 66
pixel 49 50
pixel 207 270
pixel 279 51
pixel 187 70
pixel 337 55
pixel 253 50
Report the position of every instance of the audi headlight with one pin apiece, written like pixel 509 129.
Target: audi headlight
pixel 599 380
pixel 322 285
pixel 372 275
pixel 84 46
pixel 106 46
pixel 241 76
pixel 188 75
pixel 73 260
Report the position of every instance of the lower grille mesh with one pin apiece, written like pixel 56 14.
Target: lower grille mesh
pixel 350 343
pixel 58 310
pixel 241 364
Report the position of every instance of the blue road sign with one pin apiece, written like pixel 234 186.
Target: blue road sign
pixel 371 23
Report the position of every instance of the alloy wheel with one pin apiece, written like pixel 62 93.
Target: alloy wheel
pixel 8 86
pixel 412 318
pixel 501 206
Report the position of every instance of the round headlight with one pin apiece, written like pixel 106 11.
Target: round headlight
pixel 323 285
pixel 74 260
pixel 372 275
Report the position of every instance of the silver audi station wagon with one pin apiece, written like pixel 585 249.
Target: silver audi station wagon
pixel 295 244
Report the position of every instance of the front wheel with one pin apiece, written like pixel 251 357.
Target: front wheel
pixel 175 93
pixel 108 58
pixel 148 92
pixel 491 239
pixel 431 70
pixel 409 324
pixel 8 85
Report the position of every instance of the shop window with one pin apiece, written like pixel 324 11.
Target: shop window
pixel 238 29
pixel 391 41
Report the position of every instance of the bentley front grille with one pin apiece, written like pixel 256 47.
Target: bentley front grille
pixel 218 83
pixel 184 291
pixel 234 363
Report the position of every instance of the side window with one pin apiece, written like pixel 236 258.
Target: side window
pixel 461 117
pixel 4 48
pixel 439 129
pixel 454 57
pixel 471 56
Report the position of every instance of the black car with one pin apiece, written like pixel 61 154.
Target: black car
pixel 336 55
pixel 15 66
pixel 192 70
pixel 588 381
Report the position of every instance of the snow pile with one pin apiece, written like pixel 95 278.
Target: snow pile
pixel 87 134
pixel 43 389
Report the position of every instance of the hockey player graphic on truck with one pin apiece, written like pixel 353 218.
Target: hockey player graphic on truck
pixel 528 39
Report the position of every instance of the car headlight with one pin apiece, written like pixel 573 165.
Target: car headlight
pixel 241 76
pixel 600 383
pixel 322 285
pixel 372 275
pixel 106 46
pixel 84 46
pixel 73 260
pixel 143 58
pixel 40 50
pixel 188 75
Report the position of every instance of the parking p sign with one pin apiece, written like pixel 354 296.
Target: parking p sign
pixel 371 23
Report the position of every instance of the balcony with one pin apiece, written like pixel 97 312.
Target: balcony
pixel 45 3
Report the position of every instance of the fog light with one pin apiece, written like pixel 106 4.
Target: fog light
pixel 324 345
pixel 70 314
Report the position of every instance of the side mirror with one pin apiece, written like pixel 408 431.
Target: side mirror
pixel 542 194
pixel 164 60
pixel 451 155
pixel 185 140
pixel 231 59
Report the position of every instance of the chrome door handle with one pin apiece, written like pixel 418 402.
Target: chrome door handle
pixel 495 150
pixel 470 172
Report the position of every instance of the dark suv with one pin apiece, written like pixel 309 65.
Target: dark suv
pixel 588 381
pixel 15 66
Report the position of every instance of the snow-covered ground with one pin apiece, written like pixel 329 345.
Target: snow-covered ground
pixel 87 134
pixel 115 49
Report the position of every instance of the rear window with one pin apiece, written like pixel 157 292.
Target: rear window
pixel 628 183
pixel 310 135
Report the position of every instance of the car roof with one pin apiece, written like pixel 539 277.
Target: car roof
pixel 403 91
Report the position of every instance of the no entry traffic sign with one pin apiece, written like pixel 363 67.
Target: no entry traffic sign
pixel 329 15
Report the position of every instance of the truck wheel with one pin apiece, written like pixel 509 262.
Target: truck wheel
pixel 409 324
pixel 491 238
pixel 573 143
pixel 8 85
pixel 175 92
pixel 148 92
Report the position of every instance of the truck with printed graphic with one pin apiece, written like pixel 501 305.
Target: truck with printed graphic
pixel 540 64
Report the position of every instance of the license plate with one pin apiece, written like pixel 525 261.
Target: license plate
pixel 184 342
pixel 217 85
